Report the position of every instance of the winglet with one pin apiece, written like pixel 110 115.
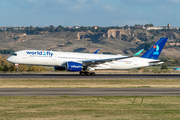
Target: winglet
pixel 155 50
pixel 138 53
pixel 96 51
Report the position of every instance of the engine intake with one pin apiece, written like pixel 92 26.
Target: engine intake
pixel 61 68
pixel 73 66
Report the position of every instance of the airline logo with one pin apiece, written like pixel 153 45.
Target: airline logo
pixel 76 66
pixel 40 53
pixel 157 50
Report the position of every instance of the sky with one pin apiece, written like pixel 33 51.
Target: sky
pixel 18 13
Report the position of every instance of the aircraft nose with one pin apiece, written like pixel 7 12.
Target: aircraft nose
pixel 9 59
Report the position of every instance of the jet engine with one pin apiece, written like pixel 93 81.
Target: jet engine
pixel 73 66
pixel 61 68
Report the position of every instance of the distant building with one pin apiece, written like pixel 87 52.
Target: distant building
pixel 154 28
pixel 76 27
pixel 140 27
pixel 95 27
pixel 70 27
pixel 169 26
pixel 174 44
pixel 177 28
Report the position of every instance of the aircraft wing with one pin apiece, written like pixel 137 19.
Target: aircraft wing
pixel 101 61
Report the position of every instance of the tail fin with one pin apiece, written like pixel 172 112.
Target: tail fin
pixel 155 50
pixel 96 51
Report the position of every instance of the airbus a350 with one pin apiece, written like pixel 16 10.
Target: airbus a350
pixel 86 63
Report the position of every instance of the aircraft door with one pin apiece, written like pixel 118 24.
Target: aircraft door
pixel 135 62
pixel 24 55
pixel 54 57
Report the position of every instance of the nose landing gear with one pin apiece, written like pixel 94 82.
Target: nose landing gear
pixel 17 68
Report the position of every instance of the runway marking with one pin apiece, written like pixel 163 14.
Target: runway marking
pixel 90 91
pixel 97 76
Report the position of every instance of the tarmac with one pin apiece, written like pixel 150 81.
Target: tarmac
pixel 89 91
pixel 97 76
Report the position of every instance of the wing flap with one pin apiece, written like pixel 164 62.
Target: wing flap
pixel 101 61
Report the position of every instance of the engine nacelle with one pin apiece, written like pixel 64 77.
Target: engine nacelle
pixel 61 68
pixel 73 66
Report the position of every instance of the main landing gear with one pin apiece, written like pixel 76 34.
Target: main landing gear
pixel 87 73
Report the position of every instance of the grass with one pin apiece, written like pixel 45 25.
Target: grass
pixel 89 83
pixel 159 67
pixel 90 108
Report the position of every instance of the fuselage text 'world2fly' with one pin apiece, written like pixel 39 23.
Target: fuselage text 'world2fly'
pixel 41 53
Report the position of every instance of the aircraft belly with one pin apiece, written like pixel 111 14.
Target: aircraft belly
pixel 121 65
pixel 38 61
pixel 127 65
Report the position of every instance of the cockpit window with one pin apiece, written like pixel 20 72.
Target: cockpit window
pixel 14 54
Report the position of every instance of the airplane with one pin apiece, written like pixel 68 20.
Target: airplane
pixel 86 63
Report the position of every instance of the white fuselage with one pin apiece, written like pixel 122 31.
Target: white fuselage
pixel 56 58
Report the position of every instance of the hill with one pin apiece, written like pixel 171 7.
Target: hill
pixel 117 41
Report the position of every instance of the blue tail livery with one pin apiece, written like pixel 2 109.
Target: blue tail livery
pixel 155 50
pixel 96 51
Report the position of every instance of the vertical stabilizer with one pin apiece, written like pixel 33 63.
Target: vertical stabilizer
pixel 155 50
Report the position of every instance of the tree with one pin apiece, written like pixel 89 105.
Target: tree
pixel 1 68
pixel 23 68
pixel 51 28
pixel 7 51
pixel 36 68
pixel 40 68
pixel 82 28
pixel 60 28
pixel 12 67
pixel 126 27
pixel 5 68
pixel 164 66
pixel 108 53
pixel 149 25
pixel 177 61
pixel 92 29
pixel 148 45
pixel 10 29
pixel 33 68
pixel 31 28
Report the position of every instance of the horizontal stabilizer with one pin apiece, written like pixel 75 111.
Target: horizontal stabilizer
pixel 161 61
pixel 138 53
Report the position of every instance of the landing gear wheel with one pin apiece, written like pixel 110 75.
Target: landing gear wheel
pixel 81 73
pixel 93 73
pixel 87 73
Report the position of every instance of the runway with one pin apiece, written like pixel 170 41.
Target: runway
pixel 89 91
pixel 97 76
